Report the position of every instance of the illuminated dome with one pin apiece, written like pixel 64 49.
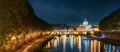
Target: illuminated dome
pixel 85 22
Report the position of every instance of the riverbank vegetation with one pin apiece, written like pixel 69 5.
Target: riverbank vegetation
pixel 19 24
pixel 111 22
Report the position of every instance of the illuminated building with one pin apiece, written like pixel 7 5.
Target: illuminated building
pixel 95 28
pixel 85 26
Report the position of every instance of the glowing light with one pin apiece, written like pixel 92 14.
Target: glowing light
pixel 109 48
pixel 64 42
pixel 84 32
pixel 99 46
pixel 79 42
pixel 71 41
pixel 96 29
pixel 55 43
pixel 13 38
pixel 48 45
pixel 92 32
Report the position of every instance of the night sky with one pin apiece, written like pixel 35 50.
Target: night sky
pixel 73 11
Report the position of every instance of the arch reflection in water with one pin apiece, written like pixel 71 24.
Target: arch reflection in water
pixel 73 43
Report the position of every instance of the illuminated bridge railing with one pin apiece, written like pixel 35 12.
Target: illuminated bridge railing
pixel 67 32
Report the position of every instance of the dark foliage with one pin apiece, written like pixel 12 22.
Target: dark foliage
pixel 16 14
pixel 111 22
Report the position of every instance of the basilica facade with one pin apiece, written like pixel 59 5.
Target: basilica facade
pixel 87 27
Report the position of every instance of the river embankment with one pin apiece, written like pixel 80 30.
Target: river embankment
pixel 34 45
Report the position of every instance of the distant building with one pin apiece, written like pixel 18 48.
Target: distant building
pixel 95 28
pixel 60 26
pixel 87 27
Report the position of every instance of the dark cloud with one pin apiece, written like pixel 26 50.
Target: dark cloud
pixel 73 11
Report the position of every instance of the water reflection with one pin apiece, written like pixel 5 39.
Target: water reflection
pixel 64 42
pixel 73 43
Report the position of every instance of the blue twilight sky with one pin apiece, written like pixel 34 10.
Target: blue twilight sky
pixel 73 11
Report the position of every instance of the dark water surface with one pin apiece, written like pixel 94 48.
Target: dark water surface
pixel 74 43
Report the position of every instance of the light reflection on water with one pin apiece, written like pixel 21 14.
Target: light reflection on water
pixel 73 43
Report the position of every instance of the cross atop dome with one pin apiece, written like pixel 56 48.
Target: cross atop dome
pixel 85 19
pixel 85 22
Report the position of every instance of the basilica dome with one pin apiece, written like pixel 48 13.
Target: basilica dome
pixel 85 22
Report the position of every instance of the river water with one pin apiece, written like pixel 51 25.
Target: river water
pixel 79 43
